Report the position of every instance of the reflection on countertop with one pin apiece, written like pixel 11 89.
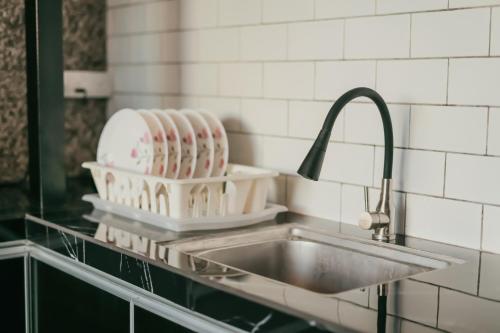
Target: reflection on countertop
pixel 430 301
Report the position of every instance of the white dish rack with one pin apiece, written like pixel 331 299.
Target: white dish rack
pixel 237 199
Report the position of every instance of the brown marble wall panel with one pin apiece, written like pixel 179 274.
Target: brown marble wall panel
pixel 12 45
pixel 13 120
pixel 84 120
pixel 84 29
pixel 84 44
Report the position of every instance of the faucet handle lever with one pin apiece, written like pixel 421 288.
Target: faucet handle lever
pixel 367 198
pixel 371 219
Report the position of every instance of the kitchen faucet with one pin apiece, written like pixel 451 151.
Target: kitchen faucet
pixel 380 219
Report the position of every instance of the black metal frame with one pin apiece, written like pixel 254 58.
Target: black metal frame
pixel 45 98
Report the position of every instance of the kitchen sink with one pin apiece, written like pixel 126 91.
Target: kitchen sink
pixel 312 260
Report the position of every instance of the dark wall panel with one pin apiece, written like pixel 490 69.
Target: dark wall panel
pixel 12 291
pixel 63 303
pixel 147 322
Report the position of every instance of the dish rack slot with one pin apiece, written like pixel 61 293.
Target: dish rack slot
pixel 244 190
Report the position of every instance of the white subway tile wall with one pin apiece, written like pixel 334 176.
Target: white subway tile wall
pixel 270 69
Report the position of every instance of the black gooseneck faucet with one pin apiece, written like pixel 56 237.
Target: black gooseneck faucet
pixel 380 219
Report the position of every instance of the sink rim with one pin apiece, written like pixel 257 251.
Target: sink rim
pixel 196 247
pixel 338 276
pixel 207 243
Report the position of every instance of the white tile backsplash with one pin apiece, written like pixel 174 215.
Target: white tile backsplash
pixel 240 79
pixel 363 124
pixel 491 229
pixel 472 3
pixel 344 8
pixel 271 70
pixel 455 313
pixel 327 42
pixel 473 178
pixel 245 149
pixel 494 131
pixel 287 10
pixel 228 110
pixel 239 12
pixel 402 6
pixel 198 13
pixel 490 275
pixel 306 118
pixel 189 45
pixel 348 163
pixel 227 41
pixel 474 81
pixel 413 81
pixel 437 218
pixel 321 199
pixel 333 78
pixel 262 116
pixel 199 79
pixel 444 34
pixel 377 37
pixel 266 42
pixel 413 300
pixel 299 78
pixel 154 16
pixel 415 171
pixel 147 79
pixel 431 130
pixel 495 31
pixel 283 154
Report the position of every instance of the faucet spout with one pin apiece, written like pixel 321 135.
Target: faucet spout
pixel 311 166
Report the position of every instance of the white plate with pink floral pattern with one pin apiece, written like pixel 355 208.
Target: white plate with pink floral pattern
pixel 173 143
pixel 160 159
pixel 221 144
pixel 188 144
pixel 204 144
pixel 126 143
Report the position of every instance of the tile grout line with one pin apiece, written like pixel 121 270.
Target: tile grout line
pixel 314 19
pixel 389 103
pixel 481 230
pixel 405 195
pixel 298 60
pixel 487 129
pixel 447 82
pixel 363 144
pixel 373 164
pixel 438 303
pixel 341 217
pixel 344 28
pixel 411 33
pixel 479 274
pixel 444 175
pixel 490 36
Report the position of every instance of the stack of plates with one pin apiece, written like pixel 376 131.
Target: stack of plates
pixel 167 143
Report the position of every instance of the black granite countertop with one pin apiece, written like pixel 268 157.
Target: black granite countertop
pixel 462 298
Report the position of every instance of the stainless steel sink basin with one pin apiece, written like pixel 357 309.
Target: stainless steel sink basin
pixel 319 262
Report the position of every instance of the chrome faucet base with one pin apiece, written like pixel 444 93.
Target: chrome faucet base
pixel 380 220
pixel 380 235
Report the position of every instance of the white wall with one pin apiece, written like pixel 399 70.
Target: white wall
pixel 272 68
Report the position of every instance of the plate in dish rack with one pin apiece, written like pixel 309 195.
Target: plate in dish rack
pixel 188 144
pixel 126 143
pixel 160 159
pixel 204 144
pixel 173 143
pixel 221 144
